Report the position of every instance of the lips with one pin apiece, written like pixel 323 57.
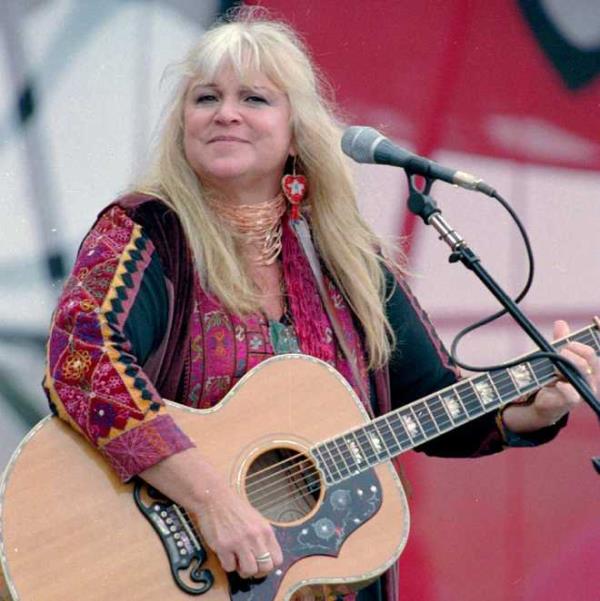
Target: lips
pixel 226 139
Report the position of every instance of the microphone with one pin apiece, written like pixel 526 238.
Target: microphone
pixel 367 145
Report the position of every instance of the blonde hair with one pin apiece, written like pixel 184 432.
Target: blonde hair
pixel 350 250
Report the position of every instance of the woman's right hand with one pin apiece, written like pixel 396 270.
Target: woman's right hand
pixel 237 533
pixel 230 526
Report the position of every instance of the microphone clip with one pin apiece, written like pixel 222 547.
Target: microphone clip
pixel 419 201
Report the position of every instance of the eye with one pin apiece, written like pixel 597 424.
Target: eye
pixel 205 98
pixel 256 99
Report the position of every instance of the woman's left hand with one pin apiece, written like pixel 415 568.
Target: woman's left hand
pixel 557 399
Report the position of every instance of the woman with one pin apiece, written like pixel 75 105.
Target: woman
pixel 185 284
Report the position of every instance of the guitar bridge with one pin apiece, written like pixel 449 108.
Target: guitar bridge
pixel 185 553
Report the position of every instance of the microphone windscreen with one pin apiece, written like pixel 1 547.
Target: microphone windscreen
pixel 359 142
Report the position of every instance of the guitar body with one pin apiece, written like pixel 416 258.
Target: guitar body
pixel 71 530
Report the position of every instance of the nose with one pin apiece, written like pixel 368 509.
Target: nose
pixel 227 111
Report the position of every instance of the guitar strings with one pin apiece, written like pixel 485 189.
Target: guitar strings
pixel 472 395
pixel 299 470
pixel 289 459
pixel 263 484
pixel 299 491
pixel 262 476
pixel 274 471
pixel 294 470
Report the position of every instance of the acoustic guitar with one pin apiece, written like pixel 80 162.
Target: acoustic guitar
pixel 291 437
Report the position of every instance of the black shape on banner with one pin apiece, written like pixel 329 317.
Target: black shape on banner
pixel 576 66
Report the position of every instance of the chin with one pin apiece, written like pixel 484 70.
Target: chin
pixel 223 170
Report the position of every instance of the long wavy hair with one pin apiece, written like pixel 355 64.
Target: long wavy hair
pixel 249 41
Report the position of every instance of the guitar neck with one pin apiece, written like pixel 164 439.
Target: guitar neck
pixel 385 437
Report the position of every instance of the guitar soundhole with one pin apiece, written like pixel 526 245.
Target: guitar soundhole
pixel 283 484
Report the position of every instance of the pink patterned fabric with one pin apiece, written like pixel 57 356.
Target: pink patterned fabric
pixel 226 346
pixel 92 379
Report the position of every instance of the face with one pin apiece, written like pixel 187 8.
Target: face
pixel 237 136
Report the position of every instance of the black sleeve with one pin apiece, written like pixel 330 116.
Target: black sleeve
pixel 420 366
pixel 147 320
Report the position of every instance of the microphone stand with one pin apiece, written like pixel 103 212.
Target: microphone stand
pixel 423 205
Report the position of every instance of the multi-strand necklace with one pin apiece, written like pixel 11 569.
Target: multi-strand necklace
pixel 258 225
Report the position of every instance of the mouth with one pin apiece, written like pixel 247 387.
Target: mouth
pixel 226 139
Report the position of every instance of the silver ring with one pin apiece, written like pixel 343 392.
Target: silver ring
pixel 263 558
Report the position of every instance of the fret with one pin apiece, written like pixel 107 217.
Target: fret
pixel 344 467
pixel 366 446
pixel 334 463
pixel 515 382
pixel 504 384
pixel 493 385
pixel 323 464
pixel 484 390
pixel 428 408
pixel 522 376
pixel 348 452
pixel 391 442
pixel 355 451
pixel 470 402
pixel 478 407
pixel 454 406
pixel 441 415
pixel 543 370
pixel 424 418
pixel 401 441
pixel 532 372
pixel 411 426
pixel 376 441
pixel 399 430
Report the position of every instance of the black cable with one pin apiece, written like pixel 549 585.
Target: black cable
pixel 484 368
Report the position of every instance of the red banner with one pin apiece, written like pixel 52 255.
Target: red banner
pixel 487 78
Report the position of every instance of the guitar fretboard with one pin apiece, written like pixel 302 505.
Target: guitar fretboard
pixel 390 435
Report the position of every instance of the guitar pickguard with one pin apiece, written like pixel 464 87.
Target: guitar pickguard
pixel 344 508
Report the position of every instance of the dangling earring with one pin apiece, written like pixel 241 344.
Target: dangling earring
pixel 294 188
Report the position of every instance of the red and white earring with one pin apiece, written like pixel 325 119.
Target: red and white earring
pixel 295 187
